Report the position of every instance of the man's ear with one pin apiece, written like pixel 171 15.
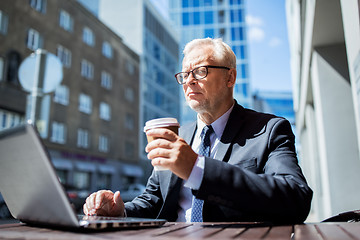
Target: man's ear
pixel 231 77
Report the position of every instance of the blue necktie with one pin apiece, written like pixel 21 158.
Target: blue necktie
pixel 204 150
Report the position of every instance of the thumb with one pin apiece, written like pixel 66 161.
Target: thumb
pixel 118 209
pixel 117 197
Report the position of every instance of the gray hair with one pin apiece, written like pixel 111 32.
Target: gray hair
pixel 222 52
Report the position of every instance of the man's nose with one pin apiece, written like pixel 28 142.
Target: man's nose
pixel 190 79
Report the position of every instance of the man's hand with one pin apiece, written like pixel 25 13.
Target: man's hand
pixel 104 203
pixel 170 151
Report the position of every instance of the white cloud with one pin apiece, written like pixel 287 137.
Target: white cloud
pixel 256 34
pixel 275 42
pixel 253 21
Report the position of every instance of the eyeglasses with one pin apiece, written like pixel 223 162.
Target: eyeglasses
pixel 198 73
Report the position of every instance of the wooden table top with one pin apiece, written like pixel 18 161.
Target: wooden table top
pixel 190 231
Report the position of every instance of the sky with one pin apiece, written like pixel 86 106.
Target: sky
pixel 268 47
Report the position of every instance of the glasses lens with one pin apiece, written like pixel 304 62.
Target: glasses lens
pixel 200 72
pixel 180 77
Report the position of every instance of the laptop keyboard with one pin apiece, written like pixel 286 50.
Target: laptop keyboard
pixel 97 218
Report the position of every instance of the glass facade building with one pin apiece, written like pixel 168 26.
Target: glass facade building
pixel 274 102
pixel 215 19
pixel 279 103
pixel 148 33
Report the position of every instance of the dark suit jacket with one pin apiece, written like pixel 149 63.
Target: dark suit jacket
pixel 257 178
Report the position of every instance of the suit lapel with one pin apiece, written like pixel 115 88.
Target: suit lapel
pixel 231 130
pixel 187 132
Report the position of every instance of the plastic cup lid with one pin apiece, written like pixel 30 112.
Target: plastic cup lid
pixel 161 122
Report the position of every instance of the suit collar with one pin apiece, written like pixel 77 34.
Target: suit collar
pixel 187 132
pixel 234 124
pixel 232 127
pixel 231 130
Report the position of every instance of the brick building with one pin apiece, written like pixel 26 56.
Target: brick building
pixel 91 120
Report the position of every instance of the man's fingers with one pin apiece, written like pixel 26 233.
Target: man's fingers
pixel 117 197
pixel 89 206
pixel 103 197
pixel 162 133
pixel 98 200
pixel 85 209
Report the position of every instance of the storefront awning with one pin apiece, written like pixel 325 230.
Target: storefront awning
pixel 106 169
pixel 62 164
pixel 85 166
pixel 132 170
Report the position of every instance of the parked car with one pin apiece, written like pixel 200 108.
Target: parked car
pixel 4 211
pixel 76 196
pixel 132 191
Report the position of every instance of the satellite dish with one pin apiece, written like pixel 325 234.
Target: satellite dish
pixel 41 71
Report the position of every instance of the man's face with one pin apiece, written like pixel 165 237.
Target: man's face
pixel 207 94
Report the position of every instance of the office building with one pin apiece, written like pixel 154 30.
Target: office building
pixel 216 19
pixel 90 122
pixel 324 37
pixel 279 103
pixel 146 31
pixel 91 5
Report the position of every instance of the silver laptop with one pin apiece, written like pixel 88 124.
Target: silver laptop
pixel 32 191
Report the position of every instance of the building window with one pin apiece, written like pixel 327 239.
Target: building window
pixel 236 2
pixel 9 119
pixel 88 36
pixel 85 103
pixel 196 18
pixel 208 32
pixel 105 111
pixel 34 40
pixel 239 51
pixel 61 95
pixel 185 19
pixel 237 33
pixel 243 71
pixel 129 122
pixel 64 55
pixel 208 3
pixel 87 69
pixel 130 68
pixel 103 143
pixel 66 21
pixel 209 17
pixel 236 16
pixel 103 181
pixel 106 80
pixel 107 50
pixel 58 134
pixel 129 149
pixel 38 5
pixel 82 138
pixel 82 180
pixel 1 69
pixel 129 94
pixel 62 175
pixel 4 20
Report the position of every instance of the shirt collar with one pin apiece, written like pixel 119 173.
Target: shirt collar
pixel 218 125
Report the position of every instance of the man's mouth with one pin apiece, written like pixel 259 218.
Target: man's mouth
pixel 191 94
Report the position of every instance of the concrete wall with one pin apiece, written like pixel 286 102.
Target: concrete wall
pixel 324 38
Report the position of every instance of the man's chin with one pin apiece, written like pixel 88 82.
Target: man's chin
pixel 196 106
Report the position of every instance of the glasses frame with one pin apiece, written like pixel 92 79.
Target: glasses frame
pixel 193 74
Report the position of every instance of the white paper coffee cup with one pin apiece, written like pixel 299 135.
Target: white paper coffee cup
pixel 168 123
